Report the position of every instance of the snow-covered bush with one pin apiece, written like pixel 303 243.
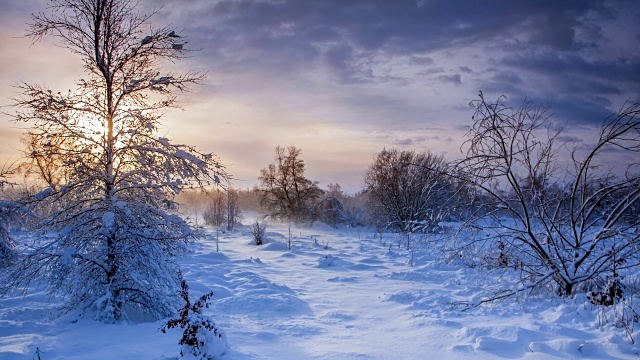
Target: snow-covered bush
pixel 200 339
pixel 335 207
pixel 331 211
pixel 7 245
pixel 610 288
pixel 110 230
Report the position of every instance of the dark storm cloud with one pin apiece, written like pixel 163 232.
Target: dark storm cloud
pixel 507 77
pixel 384 64
pixel 547 37
pixel 554 42
pixel 570 139
pixel 577 110
pixel 415 141
pixel 577 86
pixel 345 64
pixel 402 27
pixel 549 64
pixel 421 61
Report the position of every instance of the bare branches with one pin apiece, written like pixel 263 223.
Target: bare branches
pixel 284 190
pixel 570 224
pixel 410 191
pixel 6 171
pixel 119 48
pixel 111 179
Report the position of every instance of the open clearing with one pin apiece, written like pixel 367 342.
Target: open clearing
pixel 337 294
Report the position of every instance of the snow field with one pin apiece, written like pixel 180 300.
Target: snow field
pixel 337 294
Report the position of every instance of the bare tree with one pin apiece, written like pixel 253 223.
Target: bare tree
pixel 284 190
pixel 6 172
pixel 562 226
pixel 215 213
pixel 234 214
pixel 409 191
pixel 111 177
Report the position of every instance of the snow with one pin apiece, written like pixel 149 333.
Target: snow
pixel 109 219
pixel 337 294
pixel 44 193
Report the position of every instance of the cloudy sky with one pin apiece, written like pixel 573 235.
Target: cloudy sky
pixel 342 79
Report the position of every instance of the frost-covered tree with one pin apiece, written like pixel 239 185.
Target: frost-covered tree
pixel 336 207
pixel 284 189
pixel 108 246
pixel 568 227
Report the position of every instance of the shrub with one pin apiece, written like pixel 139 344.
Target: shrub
pixel 258 231
pixel 560 226
pixel 215 214
pixel 410 192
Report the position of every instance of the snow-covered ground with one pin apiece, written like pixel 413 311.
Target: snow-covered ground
pixel 338 294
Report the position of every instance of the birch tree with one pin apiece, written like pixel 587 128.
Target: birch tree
pixel 108 248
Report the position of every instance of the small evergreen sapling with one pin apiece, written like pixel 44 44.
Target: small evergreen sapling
pixel 200 338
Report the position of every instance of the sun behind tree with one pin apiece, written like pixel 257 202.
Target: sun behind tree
pixel 116 231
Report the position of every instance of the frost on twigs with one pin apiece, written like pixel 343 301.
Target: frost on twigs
pixel 562 226
pixel 200 338
pixel 107 219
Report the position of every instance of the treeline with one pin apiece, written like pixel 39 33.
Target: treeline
pixel 404 191
pixel 522 198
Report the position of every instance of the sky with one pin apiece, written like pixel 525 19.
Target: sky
pixel 343 79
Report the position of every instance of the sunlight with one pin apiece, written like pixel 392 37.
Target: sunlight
pixel 89 132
